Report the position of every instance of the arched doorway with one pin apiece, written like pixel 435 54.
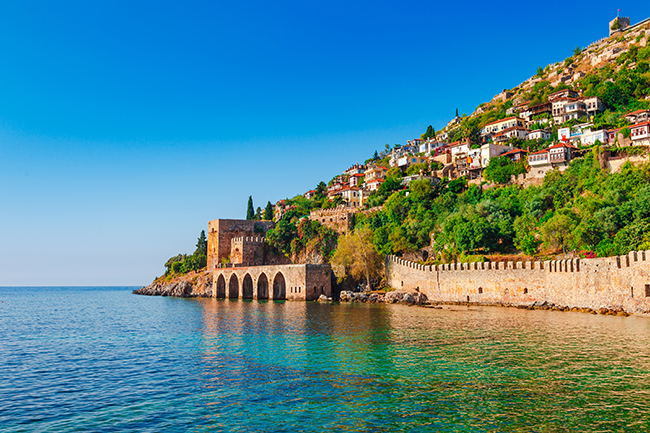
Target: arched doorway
pixel 262 287
pixel 221 287
pixel 233 287
pixel 247 287
pixel 279 287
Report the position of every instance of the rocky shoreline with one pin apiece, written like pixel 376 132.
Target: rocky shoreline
pixel 191 285
pixel 199 284
pixel 396 297
pixel 420 299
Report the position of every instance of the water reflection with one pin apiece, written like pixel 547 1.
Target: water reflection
pixel 393 367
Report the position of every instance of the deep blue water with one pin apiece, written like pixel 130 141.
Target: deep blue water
pixel 102 359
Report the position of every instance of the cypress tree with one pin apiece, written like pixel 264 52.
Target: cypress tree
pixel 250 211
pixel 268 211
pixel 202 244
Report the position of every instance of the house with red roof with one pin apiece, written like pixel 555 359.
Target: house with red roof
pixel 515 154
pixel 497 126
pixel 512 132
pixel 640 134
pixel 556 156
pixel 355 179
pixel 374 184
pixel 637 116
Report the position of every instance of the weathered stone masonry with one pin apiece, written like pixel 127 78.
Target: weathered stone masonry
pixel 222 231
pixel 244 267
pixel 291 282
pixel 614 283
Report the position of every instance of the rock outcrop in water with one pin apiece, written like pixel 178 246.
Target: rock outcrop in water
pixel 190 285
pixel 396 297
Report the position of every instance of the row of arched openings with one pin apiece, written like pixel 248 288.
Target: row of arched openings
pixel 231 289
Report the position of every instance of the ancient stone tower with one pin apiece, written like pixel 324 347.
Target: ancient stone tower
pixel 221 233
pixel 618 24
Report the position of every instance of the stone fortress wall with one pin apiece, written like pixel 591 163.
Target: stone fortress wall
pixel 339 219
pixel 245 249
pixel 273 282
pixel 619 283
pixel 222 231
pixel 243 266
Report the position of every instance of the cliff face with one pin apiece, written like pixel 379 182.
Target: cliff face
pixel 193 284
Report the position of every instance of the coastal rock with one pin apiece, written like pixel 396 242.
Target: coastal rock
pixel 408 298
pixel 347 296
pixel 193 284
pixel 323 298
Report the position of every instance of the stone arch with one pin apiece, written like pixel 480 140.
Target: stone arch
pixel 233 287
pixel 262 287
pixel 247 287
pixel 221 287
pixel 279 287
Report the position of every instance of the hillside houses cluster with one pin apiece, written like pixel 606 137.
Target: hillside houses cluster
pixel 439 157
pixel 460 158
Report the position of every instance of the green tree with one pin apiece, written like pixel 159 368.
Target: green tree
pixel 576 51
pixel 501 168
pixel 258 213
pixel 268 211
pixel 321 189
pixel 557 232
pixel 356 253
pixel 525 238
pixel 250 210
pixel 202 244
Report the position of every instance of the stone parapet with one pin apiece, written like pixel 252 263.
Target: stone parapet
pixel 614 283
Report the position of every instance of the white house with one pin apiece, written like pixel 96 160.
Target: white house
pixel 589 137
pixel 513 132
pixel 491 150
pixel 640 134
pixel 539 134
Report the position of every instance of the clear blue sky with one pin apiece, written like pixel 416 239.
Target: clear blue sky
pixel 125 126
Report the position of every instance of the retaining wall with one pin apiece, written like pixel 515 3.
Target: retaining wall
pixel 614 282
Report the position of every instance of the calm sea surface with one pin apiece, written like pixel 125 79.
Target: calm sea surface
pixel 102 359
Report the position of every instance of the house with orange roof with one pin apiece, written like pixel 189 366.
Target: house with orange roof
pixel 564 93
pixel 374 184
pixel 375 172
pixel 560 154
pixel 515 154
pixel 503 124
pixel 513 132
pixel 638 116
pixel 355 179
pixel 353 196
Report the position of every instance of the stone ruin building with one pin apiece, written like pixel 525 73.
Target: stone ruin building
pixel 245 267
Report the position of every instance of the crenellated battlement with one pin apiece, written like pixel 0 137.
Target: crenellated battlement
pixel 567 265
pixel 619 283
pixel 333 211
pixel 248 240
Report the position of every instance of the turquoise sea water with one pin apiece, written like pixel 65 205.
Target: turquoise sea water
pixel 102 359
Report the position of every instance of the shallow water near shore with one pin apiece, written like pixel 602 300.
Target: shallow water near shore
pixel 102 359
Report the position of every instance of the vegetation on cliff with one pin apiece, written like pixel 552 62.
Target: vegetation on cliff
pixel 183 263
